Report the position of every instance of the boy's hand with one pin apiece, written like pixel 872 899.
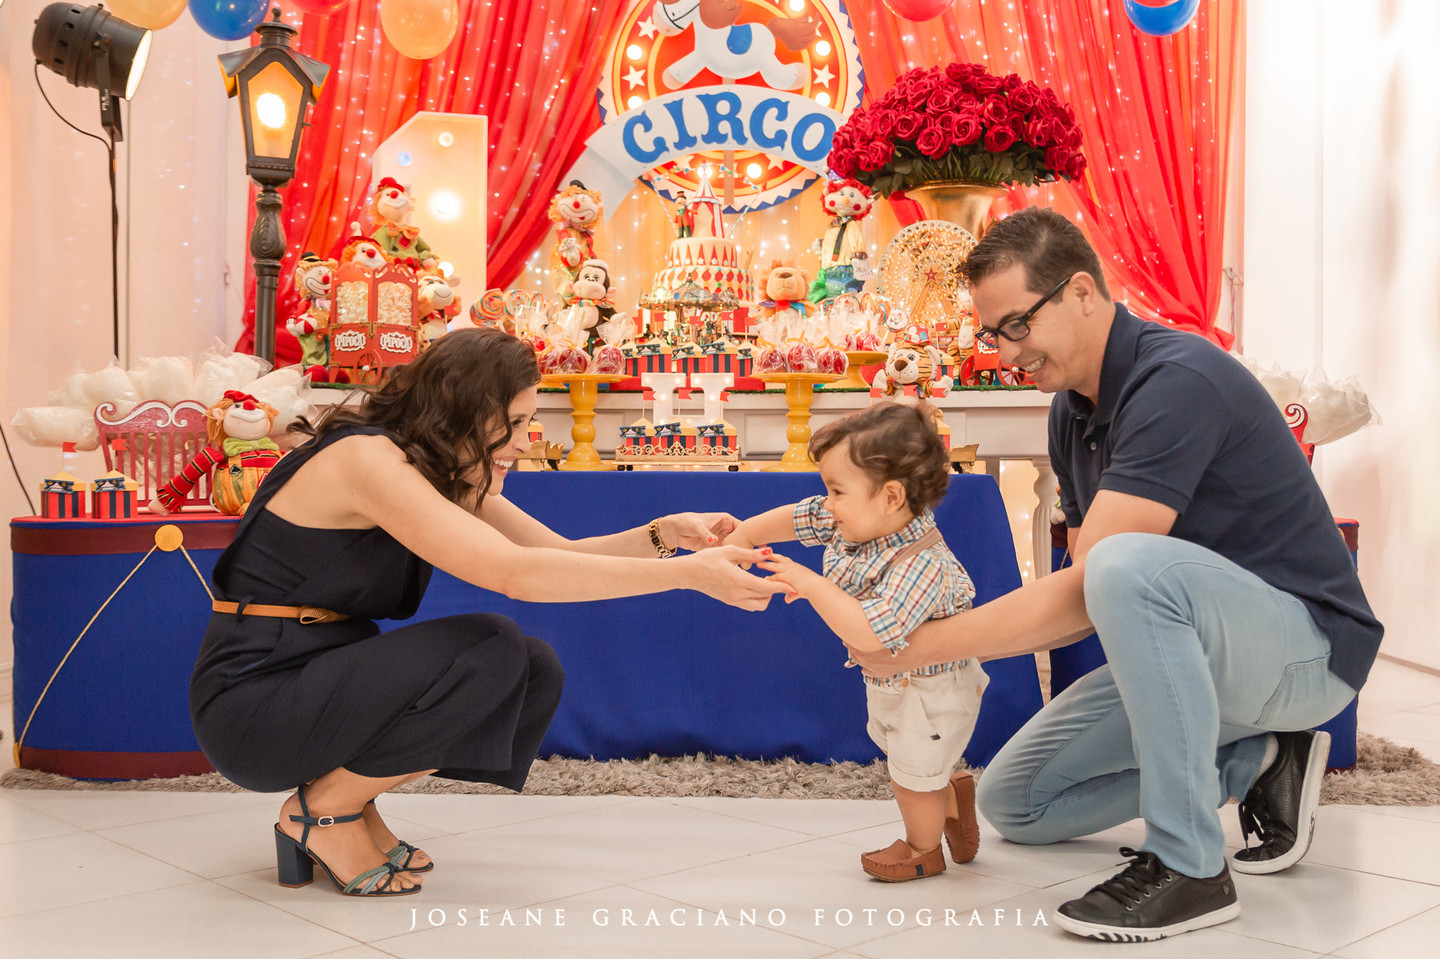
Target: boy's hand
pixel 696 531
pixel 800 581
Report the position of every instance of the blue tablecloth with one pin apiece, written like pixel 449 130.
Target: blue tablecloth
pixel 679 673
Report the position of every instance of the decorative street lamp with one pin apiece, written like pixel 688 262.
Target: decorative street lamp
pixel 275 85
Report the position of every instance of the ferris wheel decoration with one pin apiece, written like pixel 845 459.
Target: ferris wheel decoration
pixel 920 272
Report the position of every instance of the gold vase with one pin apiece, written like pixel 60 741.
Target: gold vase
pixel 965 203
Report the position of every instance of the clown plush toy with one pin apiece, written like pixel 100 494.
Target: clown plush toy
pixel 590 297
pixel 844 264
pixel 364 251
pixel 239 451
pixel 313 277
pixel 390 211
pixel 575 212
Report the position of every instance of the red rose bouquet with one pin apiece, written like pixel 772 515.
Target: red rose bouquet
pixel 959 123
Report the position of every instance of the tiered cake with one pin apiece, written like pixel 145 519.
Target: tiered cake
pixel 708 258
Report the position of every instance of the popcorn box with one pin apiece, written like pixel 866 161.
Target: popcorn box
pixel 60 497
pixel 634 439
pixel 112 496
pixel 718 357
pixel 647 358
pixel 718 439
pixel 674 436
pixel 537 431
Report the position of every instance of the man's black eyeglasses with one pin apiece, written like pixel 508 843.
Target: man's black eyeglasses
pixel 1018 328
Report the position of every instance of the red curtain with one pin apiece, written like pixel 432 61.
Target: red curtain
pixel 531 67
pixel 1158 115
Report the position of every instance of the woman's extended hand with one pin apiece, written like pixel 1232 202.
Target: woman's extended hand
pixel 717 573
pixel 696 531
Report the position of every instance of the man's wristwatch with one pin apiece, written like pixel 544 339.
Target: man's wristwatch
pixel 661 549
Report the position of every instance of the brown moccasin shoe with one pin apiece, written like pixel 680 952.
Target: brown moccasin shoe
pixel 899 863
pixel 962 834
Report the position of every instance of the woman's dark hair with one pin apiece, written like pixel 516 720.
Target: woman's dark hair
pixel 891 441
pixel 1047 244
pixel 443 405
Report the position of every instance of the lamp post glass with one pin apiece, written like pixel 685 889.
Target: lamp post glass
pixel 275 85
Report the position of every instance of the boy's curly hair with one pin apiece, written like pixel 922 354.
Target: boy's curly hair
pixel 893 441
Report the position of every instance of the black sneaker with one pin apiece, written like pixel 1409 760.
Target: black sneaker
pixel 1280 808
pixel 1149 900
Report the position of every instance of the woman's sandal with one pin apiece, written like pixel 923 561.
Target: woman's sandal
pixel 403 853
pixel 295 863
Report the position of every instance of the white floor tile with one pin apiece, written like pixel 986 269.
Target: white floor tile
pixel 815 817
pixel 103 808
pixel 74 868
pixel 19 822
pixel 1419 936
pixel 618 922
pixel 196 919
pixel 636 840
pixel 1355 838
pixel 821 888
pixel 1321 908
pixel 118 873
pixel 447 814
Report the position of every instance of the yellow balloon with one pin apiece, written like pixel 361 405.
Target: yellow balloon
pixel 419 29
pixel 150 14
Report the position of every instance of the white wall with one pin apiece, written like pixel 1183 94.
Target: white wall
pixel 1341 246
pixel 176 167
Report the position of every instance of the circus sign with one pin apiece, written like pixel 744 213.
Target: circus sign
pixel 751 91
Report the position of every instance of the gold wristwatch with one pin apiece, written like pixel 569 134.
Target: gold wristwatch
pixel 661 549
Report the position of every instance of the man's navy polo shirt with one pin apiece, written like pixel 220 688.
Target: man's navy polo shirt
pixel 1182 423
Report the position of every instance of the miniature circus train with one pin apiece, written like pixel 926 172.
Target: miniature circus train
pixel 376 322
pixel 678 443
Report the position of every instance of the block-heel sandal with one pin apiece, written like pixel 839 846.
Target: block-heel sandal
pixel 295 863
pixel 403 853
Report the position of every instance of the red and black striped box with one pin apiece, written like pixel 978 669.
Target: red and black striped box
pixel 60 497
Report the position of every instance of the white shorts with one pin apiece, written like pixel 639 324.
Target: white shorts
pixel 924 726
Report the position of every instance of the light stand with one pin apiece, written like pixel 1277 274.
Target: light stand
pixel 92 48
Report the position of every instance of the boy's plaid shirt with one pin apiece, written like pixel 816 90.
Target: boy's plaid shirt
pixel 930 585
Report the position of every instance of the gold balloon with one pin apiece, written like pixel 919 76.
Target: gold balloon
pixel 419 29
pixel 150 14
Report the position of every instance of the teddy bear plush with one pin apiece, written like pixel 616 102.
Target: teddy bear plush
pixel 390 210
pixel 576 212
pixel 844 264
pixel 238 454
pixel 438 304
pixel 910 363
pixel 313 277
pixel 785 287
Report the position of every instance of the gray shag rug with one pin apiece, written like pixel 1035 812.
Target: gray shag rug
pixel 1384 775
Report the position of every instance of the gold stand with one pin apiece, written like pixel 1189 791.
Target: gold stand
pixel 583 394
pixel 799 393
pixel 852 378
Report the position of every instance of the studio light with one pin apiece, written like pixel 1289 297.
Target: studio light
pixel 92 48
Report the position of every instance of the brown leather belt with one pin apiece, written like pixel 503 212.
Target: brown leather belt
pixel 306 614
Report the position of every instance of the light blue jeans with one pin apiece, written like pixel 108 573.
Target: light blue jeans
pixel 1204 657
